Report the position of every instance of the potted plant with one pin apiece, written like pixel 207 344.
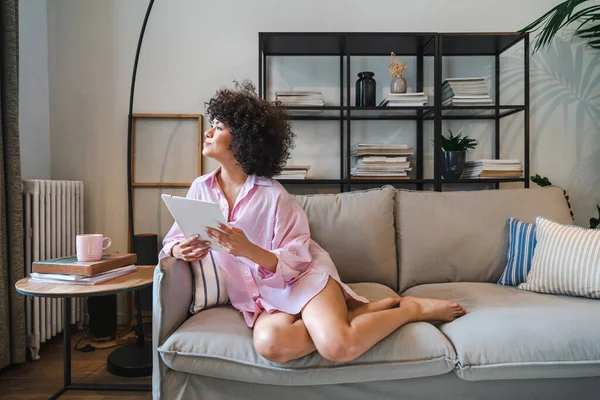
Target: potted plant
pixel 455 153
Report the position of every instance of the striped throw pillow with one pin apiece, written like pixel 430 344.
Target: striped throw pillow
pixel 521 244
pixel 207 284
pixel 566 260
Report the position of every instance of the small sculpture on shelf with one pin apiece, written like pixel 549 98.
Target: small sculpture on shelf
pixel 398 84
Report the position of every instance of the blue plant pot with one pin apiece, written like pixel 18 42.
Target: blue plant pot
pixel 453 164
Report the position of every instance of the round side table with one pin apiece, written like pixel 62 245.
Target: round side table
pixel 139 279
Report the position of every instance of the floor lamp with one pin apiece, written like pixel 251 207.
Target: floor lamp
pixel 133 360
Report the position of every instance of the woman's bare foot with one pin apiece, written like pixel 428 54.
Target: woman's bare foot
pixel 362 308
pixel 434 309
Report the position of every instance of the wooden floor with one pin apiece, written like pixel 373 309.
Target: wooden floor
pixel 37 380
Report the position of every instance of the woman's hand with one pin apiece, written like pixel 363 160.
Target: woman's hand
pixel 232 240
pixel 191 249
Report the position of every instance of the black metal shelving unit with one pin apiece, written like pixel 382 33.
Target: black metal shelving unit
pixel 420 45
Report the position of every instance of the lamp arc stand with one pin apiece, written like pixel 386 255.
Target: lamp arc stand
pixel 133 360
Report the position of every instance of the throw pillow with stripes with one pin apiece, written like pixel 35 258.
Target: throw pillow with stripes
pixel 207 284
pixel 521 244
pixel 566 260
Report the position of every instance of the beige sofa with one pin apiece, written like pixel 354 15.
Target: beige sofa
pixel 451 245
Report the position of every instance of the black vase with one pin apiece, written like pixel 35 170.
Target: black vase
pixel 453 164
pixel 365 89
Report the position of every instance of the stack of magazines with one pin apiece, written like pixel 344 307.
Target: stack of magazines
pixel 293 172
pixel 381 161
pixel 300 98
pixel 466 92
pixel 404 100
pixel 506 168
pixel 69 270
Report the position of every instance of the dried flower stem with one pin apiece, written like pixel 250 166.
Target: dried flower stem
pixel 396 67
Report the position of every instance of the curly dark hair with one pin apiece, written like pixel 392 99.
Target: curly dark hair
pixel 261 137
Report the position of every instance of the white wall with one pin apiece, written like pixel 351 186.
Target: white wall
pixel 34 119
pixel 192 48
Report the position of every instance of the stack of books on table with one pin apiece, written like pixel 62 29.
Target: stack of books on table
pixel 300 98
pixel 404 100
pixel 294 172
pixel 381 161
pixel 493 169
pixel 69 270
pixel 466 92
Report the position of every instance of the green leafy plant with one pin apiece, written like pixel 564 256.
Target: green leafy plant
pixel 458 142
pixel 565 14
pixel 595 222
pixel 542 182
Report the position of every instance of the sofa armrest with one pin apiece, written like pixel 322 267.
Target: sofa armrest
pixel 171 297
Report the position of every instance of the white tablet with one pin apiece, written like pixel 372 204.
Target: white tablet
pixel 193 216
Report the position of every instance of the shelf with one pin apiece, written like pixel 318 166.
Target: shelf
pixel 382 44
pixel 423 47
pixel 482 180
pixel 311 181
pixel 476 112
pixel 333 113
pixel 314 112
pixel 301 44
pixel 478 44
pixel 394 113
pixel 389 181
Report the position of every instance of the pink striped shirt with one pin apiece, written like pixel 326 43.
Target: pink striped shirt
pixel 271 219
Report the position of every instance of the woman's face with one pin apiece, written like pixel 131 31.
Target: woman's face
pixel 216 143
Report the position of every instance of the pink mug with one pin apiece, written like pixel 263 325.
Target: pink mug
pixel 90 246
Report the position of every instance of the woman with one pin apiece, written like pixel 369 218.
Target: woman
pixel 270 262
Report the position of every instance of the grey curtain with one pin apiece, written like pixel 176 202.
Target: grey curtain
pixel 12 305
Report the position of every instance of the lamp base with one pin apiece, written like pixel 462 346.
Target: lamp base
pixel 131 361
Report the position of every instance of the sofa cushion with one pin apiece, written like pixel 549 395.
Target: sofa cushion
pixel 566 260
pixel 357 230
pixel 217 343
pixel 509 333
pixel 521 246
pixel 462 236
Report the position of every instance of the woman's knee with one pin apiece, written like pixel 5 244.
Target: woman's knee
pixel 340 347
pixel 270 343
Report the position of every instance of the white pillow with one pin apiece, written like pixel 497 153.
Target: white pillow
pixel 566 260
pixel 208 285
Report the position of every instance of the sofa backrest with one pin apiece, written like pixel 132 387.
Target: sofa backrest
pixel 463 236
pixel 357 230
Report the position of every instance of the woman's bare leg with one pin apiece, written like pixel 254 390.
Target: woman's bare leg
pixel 326 319
pixel 356 308
pixel 281 337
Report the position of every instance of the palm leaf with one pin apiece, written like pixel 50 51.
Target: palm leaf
pixel 562 15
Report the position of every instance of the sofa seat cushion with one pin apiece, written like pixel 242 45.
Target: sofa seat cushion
pixel 217 343
pixel 509 333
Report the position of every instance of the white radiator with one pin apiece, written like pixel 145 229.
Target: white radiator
pixel 53 216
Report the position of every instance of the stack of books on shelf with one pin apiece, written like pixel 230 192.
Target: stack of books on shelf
pixel 300 98
pixel 294 172
pixel 404 100
pixel 466 92
pixel 69 270
pixel 493 169
pixel 381 161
